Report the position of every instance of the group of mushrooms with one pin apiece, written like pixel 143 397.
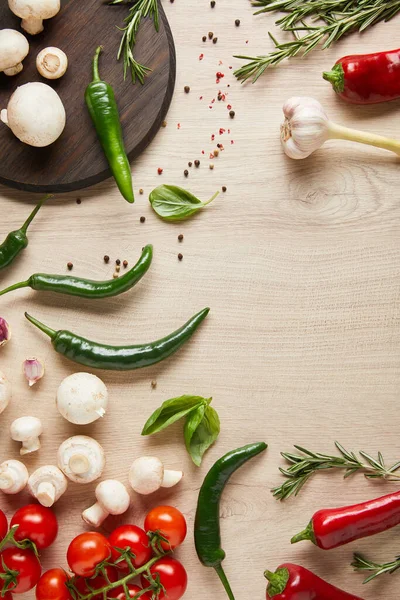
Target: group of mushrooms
pixel 82 398
pixel 35 113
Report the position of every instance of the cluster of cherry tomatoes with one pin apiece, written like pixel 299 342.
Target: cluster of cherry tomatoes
pixel 98 564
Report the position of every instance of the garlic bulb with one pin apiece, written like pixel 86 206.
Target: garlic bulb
pixel 5 332
pixel 307 127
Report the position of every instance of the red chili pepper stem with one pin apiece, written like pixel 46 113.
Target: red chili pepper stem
pixel 277 581
pixel 307 534
pixel 336 77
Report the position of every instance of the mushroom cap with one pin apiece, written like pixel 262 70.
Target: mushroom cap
pixel 14 47
pixel 38 9
pixel 45 474
pixel 17 471
pixel 113 496
pixel 82 398
pixel 25 427
pixel 146 474
pixel 5 392
pixel 35 114
pixel 89 448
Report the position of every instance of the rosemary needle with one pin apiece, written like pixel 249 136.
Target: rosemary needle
pixel 360 563
pixel 314 23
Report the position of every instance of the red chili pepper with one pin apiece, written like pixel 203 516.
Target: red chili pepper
pixel 333 527
pixel 367 78
pixel 292 582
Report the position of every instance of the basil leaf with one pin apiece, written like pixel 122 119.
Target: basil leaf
pixel 173 203
pixel 171 411
pixel 202 428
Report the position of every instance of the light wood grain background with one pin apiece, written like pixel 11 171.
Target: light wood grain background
pixel 300 264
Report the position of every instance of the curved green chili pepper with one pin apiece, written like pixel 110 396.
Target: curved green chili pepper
pixel 119 358
pixel 87 288
pixel 103 109
pixel 207 534
pixel 18 240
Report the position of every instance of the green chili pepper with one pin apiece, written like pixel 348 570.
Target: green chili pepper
pixel 207 534
pixel 87 288
pixel 100 100
pixel 18 240
pixel 119 358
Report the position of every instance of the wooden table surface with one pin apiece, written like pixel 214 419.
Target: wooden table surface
pixel 300 264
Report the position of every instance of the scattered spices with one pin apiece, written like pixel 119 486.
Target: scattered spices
pixel 229 106
pixel 187 89
pixel 204 38
pixel 118 262
pixel 106 258
pixel 212 137
pixel 221 131
pixel 141 191
pixel 224 188
pixel 180 237
pixel 219 75
pixel 160 170
pixel 232 114
pixel 197 163
pixel 142 220
pixel 178 125
pixel 216 152
pixel 186 173
pixel 211 155
pixel 220 146
pixel 190 163
pixel 78 201
pixel 70 266
pixel 180 256
pixel 211 166
pixel 154 384
pixel 201 56
pixel 115 275
pixel 164 124
pixel 212 3
pixel 125 263
pixel 237 22
pixel 117 269
pixel 210 35
pixel 215 40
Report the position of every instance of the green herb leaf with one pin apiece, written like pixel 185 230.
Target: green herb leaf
pixel 202 428
pixel 173 203
pixel 171 411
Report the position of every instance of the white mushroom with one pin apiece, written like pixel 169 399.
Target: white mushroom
pixel 27 430
pixel 52 63
pixel 35 114
pixel 33 12
pixel 82 398
pixel 14 47
pixel 5 392
pixel 81 459
pixel 112 499
pixel 47 484
pixel 147 475
pixel 13 476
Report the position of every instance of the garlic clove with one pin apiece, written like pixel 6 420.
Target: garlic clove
pixel 5 332
pixel 33 369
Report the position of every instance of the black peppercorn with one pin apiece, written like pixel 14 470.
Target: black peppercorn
pixel 180 256
pixel 142 219
pixel 212 3
pixel 180 237
pixel 224 188
pixel 197 163
pixel 186 172
pixel 70 266
pixel 118 262
pixel 187 89
pixel 106 258
pixel 125 263
pixel 190 164
pixel 237 22
pixel 78 201
pixel 215 40
pixel 232 114
pixel 210 35
pixel 204 38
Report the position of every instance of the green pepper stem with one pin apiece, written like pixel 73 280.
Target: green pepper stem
pixel 16 286
pixel 34 213
pixel 221 574
pixel 47 330
pixel 96 75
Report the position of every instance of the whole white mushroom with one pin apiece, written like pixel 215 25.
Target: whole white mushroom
pixel 147 475
pixel 112 499
pixel 13 476
pixel 33 12
pixel 5 392
pixel 27 430
pixel 51 62
pixel 81 459
pixel 14 47
pixel 35 114
pixel 82 398
pixel 47 484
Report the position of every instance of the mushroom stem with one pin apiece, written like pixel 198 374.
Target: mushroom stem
pixel 32 25
pixel 13 70
pixel 79 464
pixel 46 493
pixel 95 515
pixel 171 478
pixel 3 116
pixel 30 445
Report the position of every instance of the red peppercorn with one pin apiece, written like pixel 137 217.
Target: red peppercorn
pixel 160 170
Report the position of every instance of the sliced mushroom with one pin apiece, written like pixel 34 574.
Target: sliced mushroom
pixel 47 484
pixel 14 47
pixel 147 475
pixel 52 63
pixel 112 499
pixel 5 392
pixel 13 476
pixel 33 12
pixel 81 459
pixel 27 430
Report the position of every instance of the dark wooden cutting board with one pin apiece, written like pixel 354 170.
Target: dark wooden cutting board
pixel 76 160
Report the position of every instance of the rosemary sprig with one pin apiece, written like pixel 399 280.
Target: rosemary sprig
pixel 139 10
pixel 360 563
pixel 307 463
pixel 328 21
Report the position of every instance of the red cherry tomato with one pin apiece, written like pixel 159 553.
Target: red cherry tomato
pixel 26 564
pixel 36 523
pixel 172 576
pixel 96 583
pixel 170 522
pixel 86 551
pixel 3 525
pixel 52 586
pixel 134 538
pixel 119 593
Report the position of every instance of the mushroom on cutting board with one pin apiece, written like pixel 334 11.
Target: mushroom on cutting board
pixel 47 484
pixel 33 12
pixel 147 475
pixel 52 62
pixel 82 398
pixel 112 499
pixel 27 430
pixel 81 459
pixel 5 392
pixel 13 476
pixel 14 47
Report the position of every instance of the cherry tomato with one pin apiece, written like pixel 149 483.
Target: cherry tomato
pixel 96 583
pixel 134 538
pixel 36 523
pixel 3 525
pixel 86 551
pixel 26 564
pixel 119 593
pixel 173 578
pixel 52 586
pixel 170 522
